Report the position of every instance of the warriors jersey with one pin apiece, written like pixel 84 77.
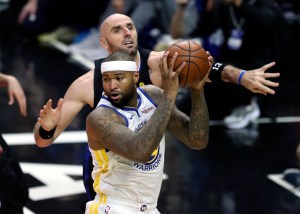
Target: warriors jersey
pixel 144 79
pixel 118 177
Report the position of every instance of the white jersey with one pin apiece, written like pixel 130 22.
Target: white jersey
pixel 118 177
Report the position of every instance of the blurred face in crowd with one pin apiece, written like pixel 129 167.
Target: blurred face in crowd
pixel 118 33
pixel 118 5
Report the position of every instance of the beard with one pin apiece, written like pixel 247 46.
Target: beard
pixel 125 99
pixel 132 51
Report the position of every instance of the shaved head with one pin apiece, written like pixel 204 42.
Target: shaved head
pixel 111 20
pixel 118 33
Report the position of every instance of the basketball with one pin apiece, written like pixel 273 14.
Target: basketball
pixel 197 64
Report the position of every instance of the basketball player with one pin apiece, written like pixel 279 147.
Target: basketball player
pixel 126 134
pixel 118 33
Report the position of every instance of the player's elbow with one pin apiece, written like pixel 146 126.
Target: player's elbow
pixel 200 144
pixel 142 158
pixel 42 143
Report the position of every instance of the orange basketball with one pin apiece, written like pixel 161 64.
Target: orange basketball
pixel 197 64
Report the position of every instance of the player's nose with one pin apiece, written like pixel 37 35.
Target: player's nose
pixel 127 31
pixel 113 84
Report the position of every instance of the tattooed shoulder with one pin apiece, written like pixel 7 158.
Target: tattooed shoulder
pixel 154 92
pixel 102 116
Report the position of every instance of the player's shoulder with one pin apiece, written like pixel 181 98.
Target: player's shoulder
pixel 82 88
pixel 87 78
pixel 150 88
pixel 153 91
pixel 102 114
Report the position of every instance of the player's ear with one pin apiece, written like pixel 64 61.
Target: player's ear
pixel 103 43
pixel 136 76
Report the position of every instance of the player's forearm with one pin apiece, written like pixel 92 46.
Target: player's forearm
pixel 221 72
pixel 199 121
pixel 149 137
pixel 193 131
pixel 230 74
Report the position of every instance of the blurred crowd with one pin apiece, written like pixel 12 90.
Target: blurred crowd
pixel 244 33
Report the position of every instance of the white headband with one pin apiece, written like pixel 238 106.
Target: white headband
pixel 118 66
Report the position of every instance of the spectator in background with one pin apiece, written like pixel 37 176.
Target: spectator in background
pixel 119 6
pixel 39 16
pixel 152 19
pixel 13 187
pixel 253 32
pixel 184 20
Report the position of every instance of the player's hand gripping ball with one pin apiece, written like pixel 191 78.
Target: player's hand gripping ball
pixel 195 57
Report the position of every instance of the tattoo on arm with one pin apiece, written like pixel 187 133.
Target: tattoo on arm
pixel 109 130
pixel 193 131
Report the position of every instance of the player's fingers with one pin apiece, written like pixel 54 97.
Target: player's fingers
pixel 269 65
pixel 270 83
pixel 259 91
pixel 45 110
pixel 172 62
pixel 42 114
pixel 11 99
pixel 39 120
pixel 210 58
pixel 263 89
pixel 269 91
pixel 208 53
pixel 60 103
pixel 271 75
pixel 163 64
pixel 180 68
pixel 48 106
pixel 45 107
pixel 49 103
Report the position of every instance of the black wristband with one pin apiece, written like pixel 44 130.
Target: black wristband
pixel 216 70
pixel 46 134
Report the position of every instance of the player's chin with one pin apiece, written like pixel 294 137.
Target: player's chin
pixel 117 102
pixel 132 49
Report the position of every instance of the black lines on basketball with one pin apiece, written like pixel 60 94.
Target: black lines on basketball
pixel 196 59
